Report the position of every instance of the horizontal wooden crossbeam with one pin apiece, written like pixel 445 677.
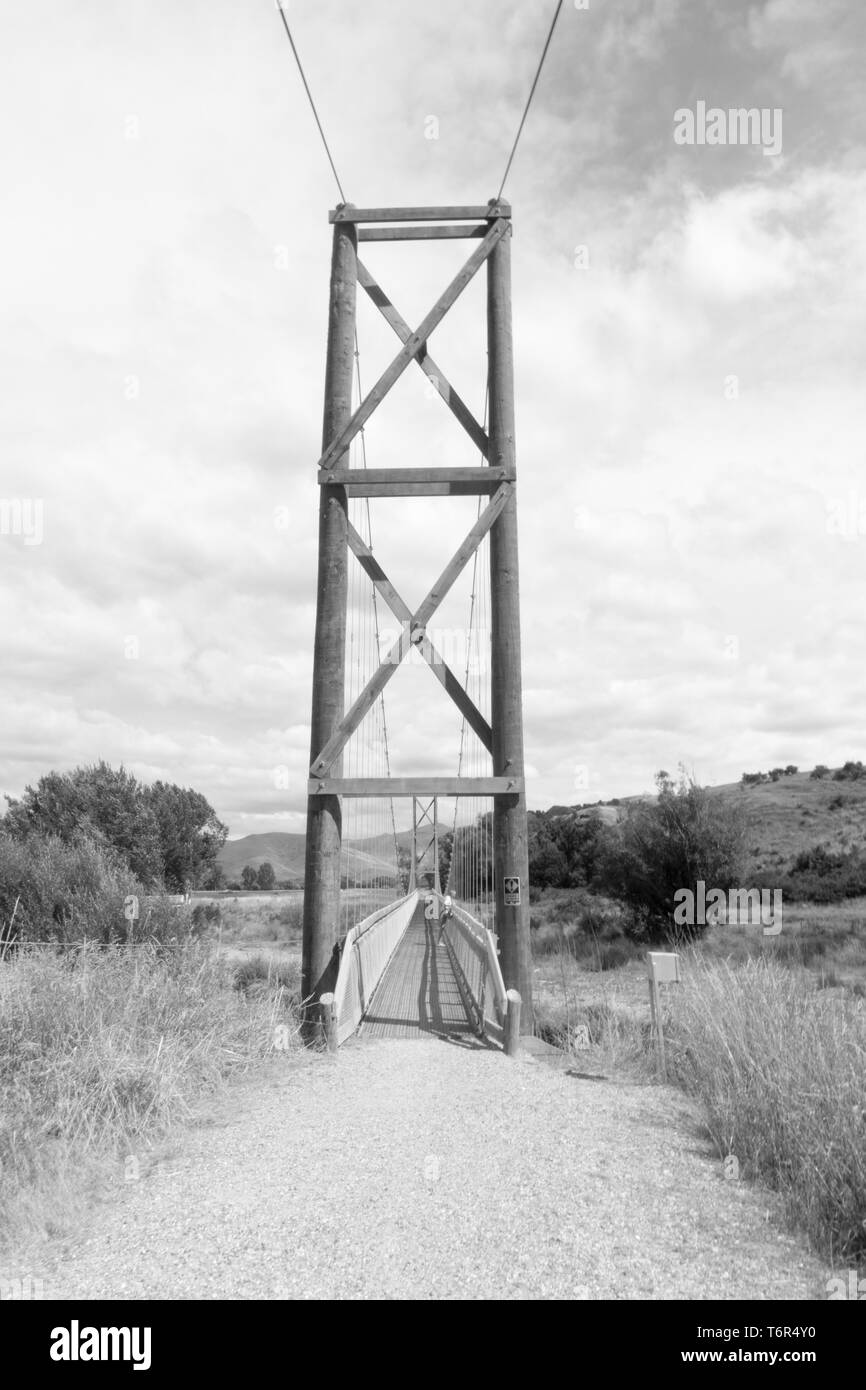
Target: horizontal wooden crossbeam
pixel 414 345
pixel 446 232
pixel 347 213
pixel 414 786
pixel 415 482
pixel 455 404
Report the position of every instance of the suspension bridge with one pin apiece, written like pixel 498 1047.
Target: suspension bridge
pixel 403 938
pixel 431 935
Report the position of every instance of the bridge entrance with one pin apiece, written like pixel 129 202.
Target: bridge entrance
pixel 408 922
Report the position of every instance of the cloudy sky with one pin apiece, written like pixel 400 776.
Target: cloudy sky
pixel 690 361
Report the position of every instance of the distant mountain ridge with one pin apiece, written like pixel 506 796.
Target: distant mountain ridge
pixel 793 813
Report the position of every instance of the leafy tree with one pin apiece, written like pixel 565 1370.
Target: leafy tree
pixel 190 834
pixel 165 834
pixel 212 878
pixel 685 835
pixel 548 867
pixel 266 878
pixel 249 877
pixel 818 772
pixel 107 805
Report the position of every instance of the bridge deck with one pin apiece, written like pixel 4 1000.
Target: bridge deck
pixel 418 994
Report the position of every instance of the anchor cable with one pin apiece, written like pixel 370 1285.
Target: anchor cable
pixel 529 98
pixel 310 96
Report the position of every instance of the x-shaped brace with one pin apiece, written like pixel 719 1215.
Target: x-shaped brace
pixel 413 633
pixel 415 346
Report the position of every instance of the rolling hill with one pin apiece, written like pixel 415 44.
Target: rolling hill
pixel 794 813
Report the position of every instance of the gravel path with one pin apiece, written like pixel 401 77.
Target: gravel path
pixel 428 1170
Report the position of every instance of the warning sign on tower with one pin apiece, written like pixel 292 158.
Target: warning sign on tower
pixel 511 891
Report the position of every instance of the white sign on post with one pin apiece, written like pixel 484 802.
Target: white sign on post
pixel 663 967
pixel 511 891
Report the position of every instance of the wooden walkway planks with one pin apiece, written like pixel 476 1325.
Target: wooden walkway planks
pixel 418 995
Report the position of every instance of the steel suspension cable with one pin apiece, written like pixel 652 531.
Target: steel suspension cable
pixel 529 98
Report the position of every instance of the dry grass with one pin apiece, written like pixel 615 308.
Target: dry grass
pixel 781 1070
pixel 101 1052
pixel 776 1057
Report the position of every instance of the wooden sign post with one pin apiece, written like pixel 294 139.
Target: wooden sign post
pixel 663 968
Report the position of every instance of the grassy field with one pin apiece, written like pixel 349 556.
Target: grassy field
pixel 103 1051
pixel 768 1033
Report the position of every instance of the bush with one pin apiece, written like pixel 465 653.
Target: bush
pixel 64 892
pixel 686 835
pixel 849 772
pixel 205 915
pixel 753 779
pixel 818 772
pixel 821 875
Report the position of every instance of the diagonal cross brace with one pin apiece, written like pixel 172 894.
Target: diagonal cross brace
pixel 440 668
pixel 386 668
pixel 413 346
pixel 454 402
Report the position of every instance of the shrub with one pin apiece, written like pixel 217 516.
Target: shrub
pixel 818 772
pixel 205 915
pixel 64 892
pixel 687 835
pixel 821 875
pixel 849 772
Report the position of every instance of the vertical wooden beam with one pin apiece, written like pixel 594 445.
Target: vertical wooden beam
pixel 510 843
pixel 324 822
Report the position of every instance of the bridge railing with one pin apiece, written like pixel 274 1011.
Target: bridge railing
pixel 476 958
pixel 367 949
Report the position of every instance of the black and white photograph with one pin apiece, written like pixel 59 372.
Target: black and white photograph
pixel 432 723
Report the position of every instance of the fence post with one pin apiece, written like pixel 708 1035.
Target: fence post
pixel 329 1022
pixel 512 1024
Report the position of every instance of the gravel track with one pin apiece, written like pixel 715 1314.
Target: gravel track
pixel 425 1170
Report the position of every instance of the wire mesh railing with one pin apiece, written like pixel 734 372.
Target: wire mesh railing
pixel 367 949
pixel 475 956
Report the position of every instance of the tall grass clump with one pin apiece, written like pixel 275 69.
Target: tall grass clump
pixel 102 1049
pixel 781 1070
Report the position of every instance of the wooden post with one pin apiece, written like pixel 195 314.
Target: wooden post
pixel 656 1011
pixel 663 968
pixel 512 1024
pixel 324 821
pixel 510 844
pixel 329 1022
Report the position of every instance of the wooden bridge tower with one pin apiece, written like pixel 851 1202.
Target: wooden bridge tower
pixel 332 724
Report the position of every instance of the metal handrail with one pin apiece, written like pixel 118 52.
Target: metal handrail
pixel 474 950
pixel 367 948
